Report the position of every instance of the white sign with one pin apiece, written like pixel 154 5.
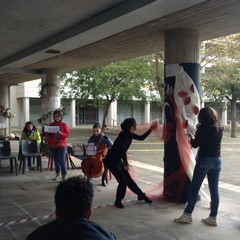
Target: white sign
pixel 51 129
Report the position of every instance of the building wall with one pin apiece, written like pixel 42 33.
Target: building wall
pixel 87 115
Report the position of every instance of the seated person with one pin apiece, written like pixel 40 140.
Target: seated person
pixel 73 201
pixel 98 137
pixel 30 132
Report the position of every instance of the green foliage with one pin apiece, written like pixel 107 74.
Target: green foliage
pixel 46 116
pixel 44 147
pixel 222 80
pixel 44 86
pixel 123 80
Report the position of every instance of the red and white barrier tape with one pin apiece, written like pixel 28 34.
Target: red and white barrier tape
pixel 27 220
pixel 53 214
pixel 50 215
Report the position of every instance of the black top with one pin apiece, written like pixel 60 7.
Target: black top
pixel 118 152
pixel 208 141
pixel 76 229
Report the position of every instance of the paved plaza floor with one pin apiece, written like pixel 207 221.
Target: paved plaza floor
pixel 27 199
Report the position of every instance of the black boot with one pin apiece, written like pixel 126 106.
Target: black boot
pixel 118 203
pixel 104 177
pixel 104 184
pixel 144 197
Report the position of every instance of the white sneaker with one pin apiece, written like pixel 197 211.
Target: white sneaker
pixel 211 221
pixel 184 219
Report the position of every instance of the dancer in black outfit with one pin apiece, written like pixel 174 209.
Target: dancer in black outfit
pixel 117 162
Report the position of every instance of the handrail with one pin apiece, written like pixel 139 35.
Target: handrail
pixel 112 125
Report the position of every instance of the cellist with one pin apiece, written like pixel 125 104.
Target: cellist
pixel 98 138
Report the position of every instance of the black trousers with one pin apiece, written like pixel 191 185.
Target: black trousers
pixel 124 180
pixel 104 175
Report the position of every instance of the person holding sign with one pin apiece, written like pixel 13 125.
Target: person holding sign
pixel 57 134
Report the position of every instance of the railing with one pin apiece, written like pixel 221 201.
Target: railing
pixel 112 125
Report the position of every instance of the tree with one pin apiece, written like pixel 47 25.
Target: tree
pixel 221 82
pixel 125 81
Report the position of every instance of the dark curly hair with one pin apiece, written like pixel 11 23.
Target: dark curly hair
pixel 73 197
pixel 209 117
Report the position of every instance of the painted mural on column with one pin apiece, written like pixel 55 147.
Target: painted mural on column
pixel 182 103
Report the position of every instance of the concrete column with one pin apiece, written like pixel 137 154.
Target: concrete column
pixel 112 114
pixel 4 95
pixel 147 117
pixel 26 112
pixel 73 113
pixel 4 101
pixel 50 93
pixel 224 117
pixel 181 48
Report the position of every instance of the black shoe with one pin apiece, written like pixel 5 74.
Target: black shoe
pixel 144 197
pixel 104 184
pixel 118 204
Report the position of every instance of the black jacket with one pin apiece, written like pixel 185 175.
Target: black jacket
pixel 118 152
pixel 208 141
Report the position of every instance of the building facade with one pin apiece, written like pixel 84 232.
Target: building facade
pixel 26 103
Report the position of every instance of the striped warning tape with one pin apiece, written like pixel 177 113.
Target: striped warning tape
pixel 53 214
pixel 147 182
pixel 27 220
pixel 30 219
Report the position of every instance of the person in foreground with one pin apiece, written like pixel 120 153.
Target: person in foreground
pixel 73 201
pixel 117 162
pixel 208 138
pixel 57 143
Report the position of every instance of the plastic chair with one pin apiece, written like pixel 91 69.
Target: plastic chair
pixel 30 148
pixel 5 154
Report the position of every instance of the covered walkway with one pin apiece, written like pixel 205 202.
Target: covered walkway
pixel 27 200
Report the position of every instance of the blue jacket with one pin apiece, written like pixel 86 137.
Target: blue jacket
pixel 97 139
pixel 70 229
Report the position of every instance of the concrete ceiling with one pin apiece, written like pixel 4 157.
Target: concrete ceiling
pixel 92 32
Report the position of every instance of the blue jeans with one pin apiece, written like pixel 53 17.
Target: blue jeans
pixel 29 159
pixel 210 166
pixel 59 157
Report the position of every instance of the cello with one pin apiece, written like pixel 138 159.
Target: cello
pixel 93 166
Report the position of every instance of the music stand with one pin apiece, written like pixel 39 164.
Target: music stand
pixel 83 152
